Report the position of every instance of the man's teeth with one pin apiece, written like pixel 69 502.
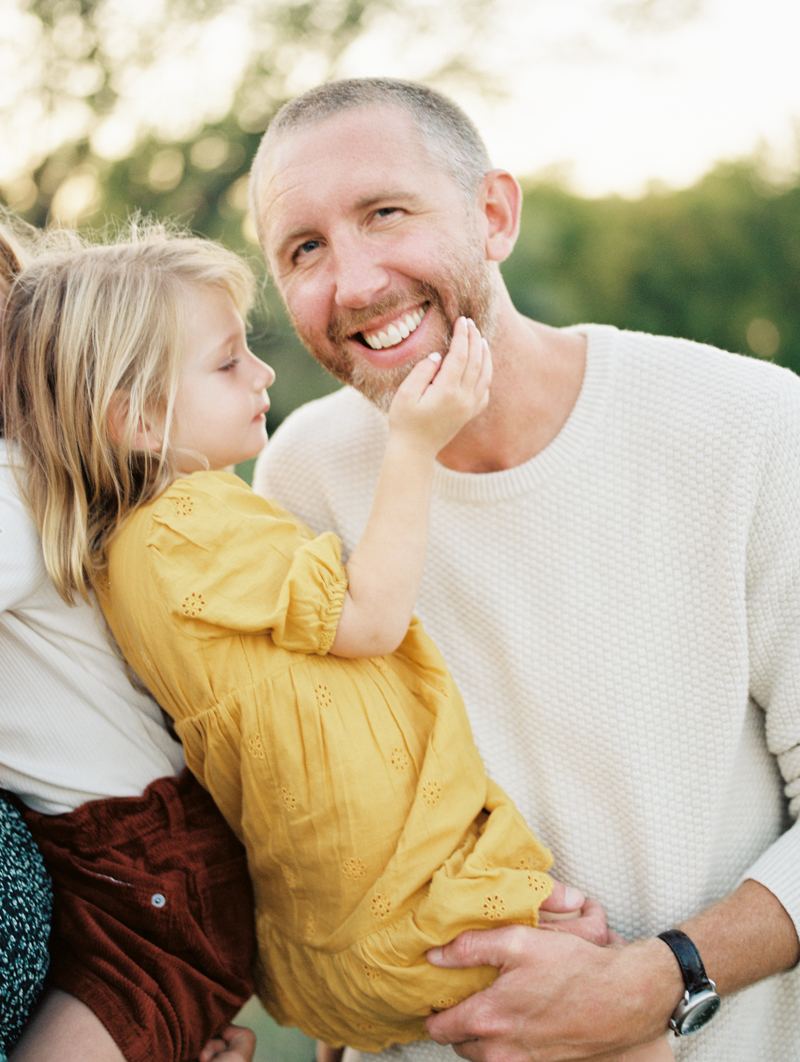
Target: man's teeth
pixel 396 332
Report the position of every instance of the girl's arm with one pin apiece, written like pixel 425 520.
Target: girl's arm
pixel 385 569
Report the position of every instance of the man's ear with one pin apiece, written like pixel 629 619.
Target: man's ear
pixel 499 206
pixel 124 424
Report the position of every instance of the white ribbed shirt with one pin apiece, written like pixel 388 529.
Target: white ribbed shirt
pixel 72 727
pixel 622 615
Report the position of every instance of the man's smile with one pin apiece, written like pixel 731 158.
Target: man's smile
pixel 395 332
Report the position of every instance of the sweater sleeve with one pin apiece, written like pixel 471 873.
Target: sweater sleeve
pixel 226 560
pixel 773 603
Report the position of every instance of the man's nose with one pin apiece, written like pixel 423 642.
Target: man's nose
pixel 360 276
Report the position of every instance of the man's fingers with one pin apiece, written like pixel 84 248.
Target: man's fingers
pixel 563 900
pixel 480 947
pixel 591 924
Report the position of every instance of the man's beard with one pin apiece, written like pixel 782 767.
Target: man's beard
pixel 473 294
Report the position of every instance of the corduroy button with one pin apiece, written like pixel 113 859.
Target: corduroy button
pixel 158 900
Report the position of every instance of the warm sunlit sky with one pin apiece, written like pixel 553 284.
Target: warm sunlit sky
pixel 610 105
pixel 620 107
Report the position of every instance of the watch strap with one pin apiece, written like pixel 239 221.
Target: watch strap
pixel 692 969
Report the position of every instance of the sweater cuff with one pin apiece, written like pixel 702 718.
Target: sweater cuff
pixel 778 870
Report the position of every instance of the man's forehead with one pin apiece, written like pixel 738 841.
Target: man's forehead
pixel 349 160
pixel 353 136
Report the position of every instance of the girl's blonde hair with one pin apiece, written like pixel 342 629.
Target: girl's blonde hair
pixel 94 344
pixel 16 240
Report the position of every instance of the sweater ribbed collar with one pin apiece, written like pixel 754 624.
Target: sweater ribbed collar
pixel 576 434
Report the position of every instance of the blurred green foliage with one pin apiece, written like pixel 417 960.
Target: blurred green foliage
pixel 718 262
pixel 83 67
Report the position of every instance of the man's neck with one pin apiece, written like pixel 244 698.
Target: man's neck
pixel 538 373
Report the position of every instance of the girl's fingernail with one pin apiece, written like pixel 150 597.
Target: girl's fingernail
pixel 435 356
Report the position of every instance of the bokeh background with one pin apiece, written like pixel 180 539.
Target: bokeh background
pixel 657 142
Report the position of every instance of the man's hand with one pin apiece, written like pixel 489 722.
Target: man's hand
pixel 558 997
pixel 567 910
pixel 234 1044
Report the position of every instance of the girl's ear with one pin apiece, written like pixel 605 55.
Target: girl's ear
pixel 499 206
pixel 122 420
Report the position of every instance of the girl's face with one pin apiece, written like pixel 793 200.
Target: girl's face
pixel 221 403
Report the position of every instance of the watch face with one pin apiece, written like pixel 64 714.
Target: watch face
pixel 699 1011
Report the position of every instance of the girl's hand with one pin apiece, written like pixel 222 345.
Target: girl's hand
pixel 234 1044
pixel 439 397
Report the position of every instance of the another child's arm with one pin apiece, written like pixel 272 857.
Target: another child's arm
pixel 385 569
pixel 63 1029
pixel 234 1044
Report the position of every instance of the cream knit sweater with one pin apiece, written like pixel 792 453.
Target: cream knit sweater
pixel 622 615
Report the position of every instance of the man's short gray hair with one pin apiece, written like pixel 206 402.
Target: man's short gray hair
pixel 451 139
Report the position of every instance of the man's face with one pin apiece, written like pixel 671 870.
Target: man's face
pixel 372 246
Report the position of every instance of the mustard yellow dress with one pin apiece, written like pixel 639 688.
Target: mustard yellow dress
pixel 371 828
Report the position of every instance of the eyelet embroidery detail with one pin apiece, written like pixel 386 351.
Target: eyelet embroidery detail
pixel 526 863
pixel 493 908
pixel 381 906
pixel 311 925
pixel 256 747
pixel 372 973
pixel 431 793
pixel 193 604
pixel 288 798
pixel 184 505
pixel 445 1003
pixel 324 696
pixel 353 869
pixel 538 882
pixel 399 759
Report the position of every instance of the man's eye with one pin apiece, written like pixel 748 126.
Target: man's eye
pixel 384 212
pixel 306 248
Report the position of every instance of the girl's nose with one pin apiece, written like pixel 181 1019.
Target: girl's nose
pixel 263 375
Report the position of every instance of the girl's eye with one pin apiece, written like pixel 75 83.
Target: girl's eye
pixel 231 363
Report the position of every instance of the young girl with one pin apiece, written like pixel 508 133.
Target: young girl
pixel 74 737
pixel 327 729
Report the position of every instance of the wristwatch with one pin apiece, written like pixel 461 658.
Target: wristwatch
pixel 700 1000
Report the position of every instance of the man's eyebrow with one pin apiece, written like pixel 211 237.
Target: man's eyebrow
pixel 305 232
pixel 395 194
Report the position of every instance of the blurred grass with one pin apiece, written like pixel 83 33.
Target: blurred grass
pixel 274 1043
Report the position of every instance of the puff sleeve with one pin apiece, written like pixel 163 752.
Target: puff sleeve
pixel 226 560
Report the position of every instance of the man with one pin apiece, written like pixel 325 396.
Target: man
pixel 614 578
